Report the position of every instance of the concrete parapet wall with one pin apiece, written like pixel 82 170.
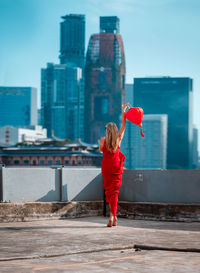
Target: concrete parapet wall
pixel 49 185
pixel 1 185
pixel 161 186
pixel 85 184
pixel 30 184
pixel 82 184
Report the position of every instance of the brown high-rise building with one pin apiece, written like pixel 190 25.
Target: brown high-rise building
pixel 104 79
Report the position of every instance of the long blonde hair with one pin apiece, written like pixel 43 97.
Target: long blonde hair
pixel 112 140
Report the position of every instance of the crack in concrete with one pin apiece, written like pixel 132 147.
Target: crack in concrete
pixel 136 247
pixel 147 247
pixel 65 254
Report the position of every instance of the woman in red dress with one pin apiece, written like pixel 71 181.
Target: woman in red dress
pixel 112 164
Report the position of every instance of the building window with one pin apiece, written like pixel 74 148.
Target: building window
pixel 66 162
pixel 101 107
pixel 41 162
pixel 50 162
pixel 26 162
pixel 58 162
pixel 79 162
pixel 34 162
pixel 94 49
pixel 118 54
pixel 16 162
pixel 102 80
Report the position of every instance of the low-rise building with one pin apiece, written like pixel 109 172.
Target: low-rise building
pixel 10 135
pixel 73 154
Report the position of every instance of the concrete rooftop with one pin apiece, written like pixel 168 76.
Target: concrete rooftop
pixel 87 245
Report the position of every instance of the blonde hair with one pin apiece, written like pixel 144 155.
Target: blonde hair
pixel 112 140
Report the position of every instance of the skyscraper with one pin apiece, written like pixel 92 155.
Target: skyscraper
pixel 18 106
pixel 104 79
pixel 72 40
pixel 149 152
pixel 62 101
pixel 62 86
pixel 171 96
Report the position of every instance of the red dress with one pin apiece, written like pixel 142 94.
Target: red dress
pixel 112 169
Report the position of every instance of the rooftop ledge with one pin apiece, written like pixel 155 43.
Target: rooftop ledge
pixel 30 211
pixel 43 193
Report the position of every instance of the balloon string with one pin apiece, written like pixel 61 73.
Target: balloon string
pixel 141 132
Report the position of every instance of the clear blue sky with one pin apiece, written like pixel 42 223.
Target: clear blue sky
pixel 161 37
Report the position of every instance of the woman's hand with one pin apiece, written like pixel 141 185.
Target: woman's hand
pixel 124 107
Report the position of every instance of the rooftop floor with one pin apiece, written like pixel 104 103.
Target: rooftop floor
pixel 87 245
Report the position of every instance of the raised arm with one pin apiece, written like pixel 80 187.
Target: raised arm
pixel 122 129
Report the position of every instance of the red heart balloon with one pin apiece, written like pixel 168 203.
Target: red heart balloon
pixel 135 115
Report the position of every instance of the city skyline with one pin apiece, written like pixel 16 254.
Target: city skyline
pixel 160 39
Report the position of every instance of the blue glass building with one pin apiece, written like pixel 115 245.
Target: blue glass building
pixel 72 40
pixel 173 97
pixel 18 106
pixel 62 101
pixel 62 86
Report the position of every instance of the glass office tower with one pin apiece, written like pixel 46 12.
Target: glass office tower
pixel 62 86
pixel 173 97
pixel 18 106
pixel 72 40
pixel 62 102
